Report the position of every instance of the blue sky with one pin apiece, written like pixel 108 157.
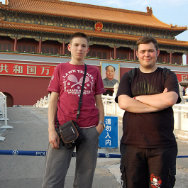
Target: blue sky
pixel 173 12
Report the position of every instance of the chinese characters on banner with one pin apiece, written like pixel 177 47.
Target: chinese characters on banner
pixel 181 76
pixel 109 136
pixel 24 69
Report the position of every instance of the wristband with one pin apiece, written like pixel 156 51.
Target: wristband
pixel 102 123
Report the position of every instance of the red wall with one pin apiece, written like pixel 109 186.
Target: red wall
pixel 27 90
pixel 24 90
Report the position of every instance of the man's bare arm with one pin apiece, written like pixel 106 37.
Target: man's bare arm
pixel 160 101
pixel 52 109
pixel 131 105
pixel 99 105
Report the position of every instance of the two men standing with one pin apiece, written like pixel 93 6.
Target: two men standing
pixel 148 145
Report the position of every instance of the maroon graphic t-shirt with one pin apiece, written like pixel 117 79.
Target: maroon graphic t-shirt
pixel 67 81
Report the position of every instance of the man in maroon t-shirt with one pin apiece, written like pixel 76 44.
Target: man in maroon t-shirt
pixel 65 87
pixel 148 146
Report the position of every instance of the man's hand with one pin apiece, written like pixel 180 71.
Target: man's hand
pixel 99 128
pixel 54 139
pixel 165 90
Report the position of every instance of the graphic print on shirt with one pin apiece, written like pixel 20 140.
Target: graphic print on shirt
pixel 155 181
pixel 73 82
pixel 144 88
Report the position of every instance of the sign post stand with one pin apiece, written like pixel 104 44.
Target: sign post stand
pixel 109 136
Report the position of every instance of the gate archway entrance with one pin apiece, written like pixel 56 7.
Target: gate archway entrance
pixel 10 100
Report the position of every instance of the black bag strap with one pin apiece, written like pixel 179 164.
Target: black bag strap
pixel 81 94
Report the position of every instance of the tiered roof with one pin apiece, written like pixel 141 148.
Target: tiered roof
pixel 90 12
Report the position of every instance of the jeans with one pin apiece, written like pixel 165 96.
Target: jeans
pixel 58 161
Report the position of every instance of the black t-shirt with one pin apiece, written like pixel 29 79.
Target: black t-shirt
pixel 148 130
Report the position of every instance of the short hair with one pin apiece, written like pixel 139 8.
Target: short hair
pixel 146 40
pixel 110 66
pixel 79 35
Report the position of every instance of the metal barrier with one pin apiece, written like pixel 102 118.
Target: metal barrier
pixel 3 114
pixel 43 153
pixel 3 109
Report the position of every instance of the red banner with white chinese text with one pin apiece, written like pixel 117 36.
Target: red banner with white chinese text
pixel 26 69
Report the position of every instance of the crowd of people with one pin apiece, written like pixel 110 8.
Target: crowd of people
pixel 147 94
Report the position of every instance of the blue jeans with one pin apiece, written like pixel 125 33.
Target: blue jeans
pixel 58 161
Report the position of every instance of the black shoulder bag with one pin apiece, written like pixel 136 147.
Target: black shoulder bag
pixel 70 132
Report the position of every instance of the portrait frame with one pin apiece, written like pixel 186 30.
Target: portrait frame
pixel 103 71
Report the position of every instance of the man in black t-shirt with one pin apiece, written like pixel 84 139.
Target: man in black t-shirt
pixel 148 145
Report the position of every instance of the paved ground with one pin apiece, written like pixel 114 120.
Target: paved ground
pixel 30 133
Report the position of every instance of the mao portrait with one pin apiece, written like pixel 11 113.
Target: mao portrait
pixel 110 74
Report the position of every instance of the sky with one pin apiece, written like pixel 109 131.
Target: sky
pixel 173 12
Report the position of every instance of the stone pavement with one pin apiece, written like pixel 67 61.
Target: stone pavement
pixel 30 133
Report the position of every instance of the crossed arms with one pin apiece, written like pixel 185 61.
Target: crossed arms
pixel 148 103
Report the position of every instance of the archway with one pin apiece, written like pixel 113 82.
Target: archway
pixel 10 100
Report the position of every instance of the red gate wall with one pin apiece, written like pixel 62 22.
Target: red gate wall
pixel 24 90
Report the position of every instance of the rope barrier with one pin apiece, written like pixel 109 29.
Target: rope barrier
pixel 43 153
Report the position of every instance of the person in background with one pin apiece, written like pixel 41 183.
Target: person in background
pixel 186 91
pixel 148 145
pixel 181 94
pixel 65 88
pixel 183 91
